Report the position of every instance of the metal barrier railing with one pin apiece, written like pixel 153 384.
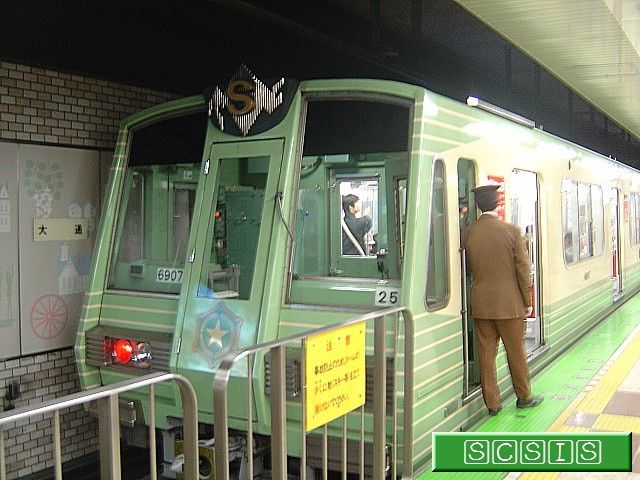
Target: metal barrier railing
pixel 278 357
pixel 109 424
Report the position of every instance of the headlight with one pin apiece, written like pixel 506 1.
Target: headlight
pixel 128 352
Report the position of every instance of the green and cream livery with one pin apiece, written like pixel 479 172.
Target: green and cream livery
pixel 222 229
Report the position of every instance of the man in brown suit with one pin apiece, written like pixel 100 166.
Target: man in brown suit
pixel 500 298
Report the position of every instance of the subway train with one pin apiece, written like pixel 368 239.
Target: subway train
pixel 223 228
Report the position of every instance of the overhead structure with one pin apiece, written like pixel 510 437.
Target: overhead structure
pixel 591 45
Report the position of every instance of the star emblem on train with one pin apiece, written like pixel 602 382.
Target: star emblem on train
pixel 217 333
pixel 244 99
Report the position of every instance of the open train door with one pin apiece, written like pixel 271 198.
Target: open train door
pixel 467 214
pixel 523 196
pixel 616 274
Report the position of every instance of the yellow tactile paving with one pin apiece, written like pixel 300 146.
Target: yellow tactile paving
pixel 570 429
pixel 538 476
pixel 559 422
pixel 597 399
pixel 617 423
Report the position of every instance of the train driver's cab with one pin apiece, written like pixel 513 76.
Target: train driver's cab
pixel 350 218
pixel 157 204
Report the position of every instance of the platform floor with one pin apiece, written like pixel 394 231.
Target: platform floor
pixel 595 387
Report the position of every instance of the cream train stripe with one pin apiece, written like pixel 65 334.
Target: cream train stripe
pixel 138 309
pixel 129 323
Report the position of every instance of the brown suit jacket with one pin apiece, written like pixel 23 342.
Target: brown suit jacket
pixel 498 262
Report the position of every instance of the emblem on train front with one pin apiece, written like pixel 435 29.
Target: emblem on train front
pixel 244 100
pixel 217 333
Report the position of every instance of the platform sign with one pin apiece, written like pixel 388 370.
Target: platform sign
pixel 58 229
pixel 334 374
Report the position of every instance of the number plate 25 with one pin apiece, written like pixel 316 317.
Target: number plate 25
pixel 387 296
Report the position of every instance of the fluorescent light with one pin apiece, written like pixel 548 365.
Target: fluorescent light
pixel 501 112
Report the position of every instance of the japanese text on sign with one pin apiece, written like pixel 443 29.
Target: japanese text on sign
pixel 335 374
pixel 56 229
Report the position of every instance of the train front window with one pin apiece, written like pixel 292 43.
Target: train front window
pixel 352 191
pixel 157 204
pixel 234 228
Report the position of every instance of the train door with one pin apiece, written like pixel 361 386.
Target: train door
pixel 524 213
pixel 226 282
pixel 616 274
pixel 467 214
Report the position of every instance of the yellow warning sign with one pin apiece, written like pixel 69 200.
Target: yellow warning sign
pixel 334 374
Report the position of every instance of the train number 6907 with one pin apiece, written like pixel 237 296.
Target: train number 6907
pixel 169 275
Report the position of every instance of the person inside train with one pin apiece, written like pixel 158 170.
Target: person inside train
pixel 568 247
pixel 500 298
pixel 354 228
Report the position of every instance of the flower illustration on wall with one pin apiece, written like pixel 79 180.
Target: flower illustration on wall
pixel 43 181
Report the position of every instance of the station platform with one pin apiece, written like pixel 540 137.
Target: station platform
pixel 594 387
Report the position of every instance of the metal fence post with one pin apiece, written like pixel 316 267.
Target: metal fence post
pixel 109 428
pixel 379 397
pixel 278 414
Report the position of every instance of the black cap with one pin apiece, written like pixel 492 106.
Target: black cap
pixel 486 196
pixel 486 188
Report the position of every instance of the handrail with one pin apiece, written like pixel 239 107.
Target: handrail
pixel 278 416
pixel 107 397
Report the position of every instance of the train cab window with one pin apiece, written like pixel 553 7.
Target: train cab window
pixel 156 207
pixel 359 217
pixel 437 292
pixel 234 228
pixel 352 197
pixel 634 199
pixel 582 221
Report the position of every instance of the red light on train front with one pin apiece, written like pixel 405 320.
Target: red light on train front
pixel 126 352
pixel 122 350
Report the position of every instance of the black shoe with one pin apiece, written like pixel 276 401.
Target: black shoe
pixel 495 411
pixel 532 401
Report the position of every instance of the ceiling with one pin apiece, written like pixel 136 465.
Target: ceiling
pixel 592 45
pixel 555 58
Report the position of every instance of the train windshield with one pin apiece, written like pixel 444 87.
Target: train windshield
pixel 156 208
pixel 352 195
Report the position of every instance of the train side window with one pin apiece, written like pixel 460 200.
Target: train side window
pixel 635 218
pixel 597 215
pixel 157 204
pixel 582 221
pixel 437 291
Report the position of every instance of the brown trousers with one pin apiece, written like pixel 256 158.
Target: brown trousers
pixel 488 334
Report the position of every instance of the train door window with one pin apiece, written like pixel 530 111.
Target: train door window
pixel 401 212
pixel 635 218
pixel 582 221
pixel 234 228
pixel 156 207
pixel 597 216
pixel 352 197
pixel 184 196
pixel 585 226
pixel 437 272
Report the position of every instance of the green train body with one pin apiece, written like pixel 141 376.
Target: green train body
pixel 222 229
